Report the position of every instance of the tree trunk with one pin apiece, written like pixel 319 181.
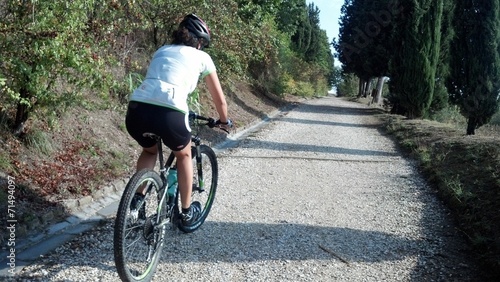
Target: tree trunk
pixel 361 88
pixel 21 113
pixel 368 88
pixel 377 97
pixel 471 126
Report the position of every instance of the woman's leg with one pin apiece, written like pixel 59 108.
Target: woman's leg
pixel 147 158
pixel 185 174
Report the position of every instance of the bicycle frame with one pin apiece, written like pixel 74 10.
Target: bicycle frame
pixel 137 219
pixel 166 166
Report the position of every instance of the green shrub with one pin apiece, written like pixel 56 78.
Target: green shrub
pixel 495 120
pixel 304 89
pixel 451 115
pixel 39 141
pixel 194 101
pixel 5 164
pixel 348 87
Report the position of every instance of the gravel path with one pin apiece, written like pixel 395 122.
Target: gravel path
pixel 318 194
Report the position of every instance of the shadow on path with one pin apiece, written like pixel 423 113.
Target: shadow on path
pixel 255 242
pixel 338 110
pixel 287 241
pixel 328 123
pixel 268 145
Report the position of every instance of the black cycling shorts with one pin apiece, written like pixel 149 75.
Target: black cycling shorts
pixel 171 125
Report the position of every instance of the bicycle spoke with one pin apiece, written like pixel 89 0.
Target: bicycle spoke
pixel 132 250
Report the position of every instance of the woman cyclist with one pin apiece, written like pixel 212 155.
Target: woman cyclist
pixel 159 104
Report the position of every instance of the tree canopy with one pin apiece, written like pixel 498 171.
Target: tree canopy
pixel 414 63
pixel 474 83
pixel 433 51
pixel 71 49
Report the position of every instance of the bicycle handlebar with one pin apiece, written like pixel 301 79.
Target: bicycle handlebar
pixel 210 122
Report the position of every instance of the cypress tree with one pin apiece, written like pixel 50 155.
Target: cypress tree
pixel 440 99
pixel 303 35
pixel 474 84
pixel 364 46
pixel 315 42
pixel 417 41
pixel 353 41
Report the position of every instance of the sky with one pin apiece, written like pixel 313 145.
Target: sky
pixel 329 14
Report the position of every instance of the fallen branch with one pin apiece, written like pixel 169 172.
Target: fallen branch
pixel 333 254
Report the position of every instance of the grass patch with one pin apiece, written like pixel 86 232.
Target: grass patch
pixel 495 120
pixel 116 162
pixel 5 164
pixel 39 141
pixel 465 171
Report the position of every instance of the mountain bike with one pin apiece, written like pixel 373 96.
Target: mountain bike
pixel 142 221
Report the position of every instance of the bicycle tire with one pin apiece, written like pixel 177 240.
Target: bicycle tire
pixel 210 178
pixel 132 242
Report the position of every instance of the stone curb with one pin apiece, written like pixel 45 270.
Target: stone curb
pixel 85 213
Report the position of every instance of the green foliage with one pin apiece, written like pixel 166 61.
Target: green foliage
pixel 413 67
pixel 257 10
pixel 474 83
pixel 304 89
pixel 450 114
pixel 302 38
pixel 75 50
pixel 57 59
pixel 299 88
pixel 234 50
pixel 279 73
pixel 194 101
pixel 122 90
pixel 348 86
pixel 39 141
pixel 440 98
pixel 364 45
pixel 278 68
pixel 336 77
pixel 308 40
pixel 289 16
pixel 5 164
pixel 318 55
pixel 495 119
pixel 405 40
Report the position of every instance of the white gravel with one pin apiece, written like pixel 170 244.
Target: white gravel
pixel 318 194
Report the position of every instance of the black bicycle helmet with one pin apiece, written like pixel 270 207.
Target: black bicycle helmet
pixel 198 27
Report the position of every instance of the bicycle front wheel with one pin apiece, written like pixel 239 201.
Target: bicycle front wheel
pixel 137 239
pixel 205 177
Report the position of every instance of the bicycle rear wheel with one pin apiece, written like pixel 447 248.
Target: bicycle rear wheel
pixel 205 177
pixel 137 243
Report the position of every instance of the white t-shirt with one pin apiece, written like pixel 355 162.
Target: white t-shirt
pixel 172 75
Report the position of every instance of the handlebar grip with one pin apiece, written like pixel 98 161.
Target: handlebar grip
pixel 229 123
